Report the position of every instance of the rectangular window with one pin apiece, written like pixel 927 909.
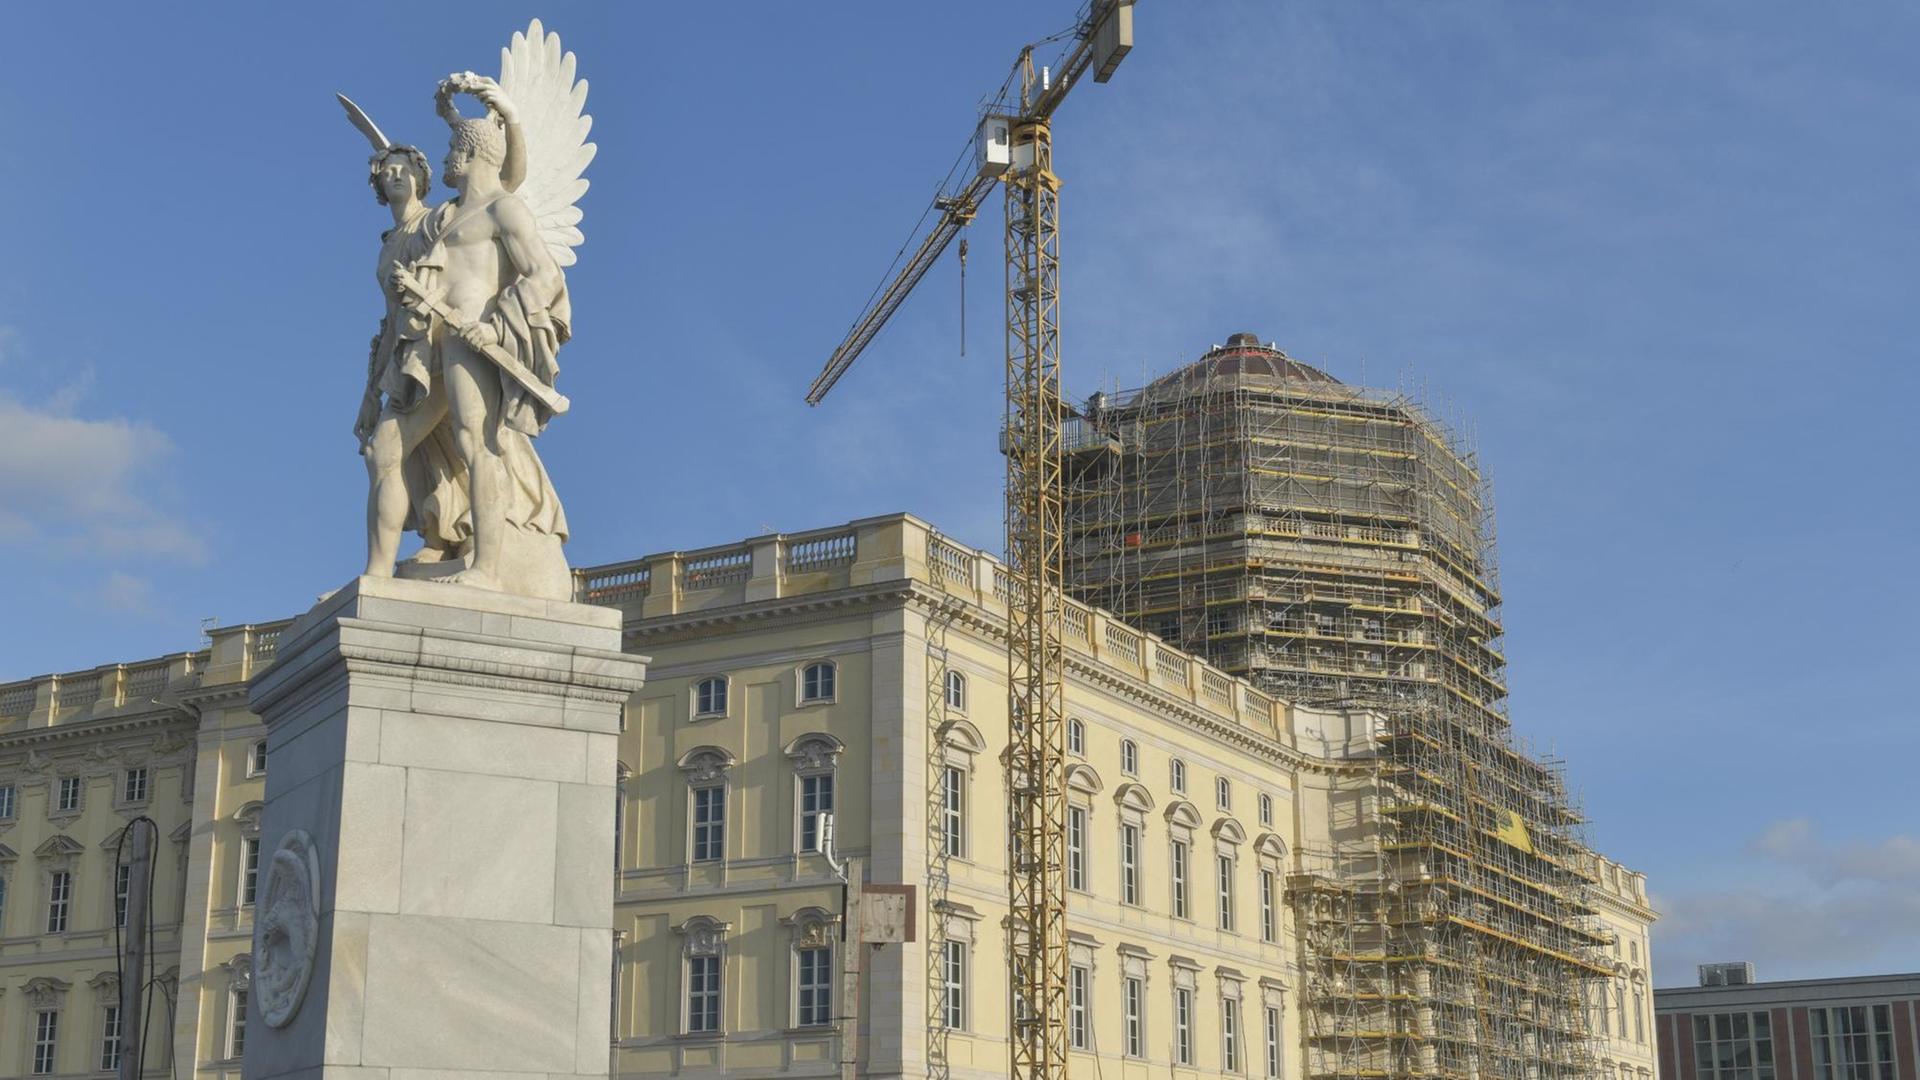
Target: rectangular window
pixel 815 987
pixel 1130 864
pixel 953 985
pixel 703 993
pixel 249 868
pixel 70 789
pixel 953 801
pixel 110 1039
pixel 1850 1042
pixel 134 788
pixel 1076 738
pixel 816 798
pixel 6 802
pixel 1077 848
pixel 46 1036
pixel 1136 1025
pixel 1273 1043
pixel 709 823
pixel 1180 879
pixel 1639 1016
pixel 1182 1026
pixel 236 1025
pixel 1229 1035
pixel 257 759
pixel 1079 982
pixel 122 884
pixel 710 697
pixel 1739 1046
pixel 59 900
pixel 1269 924
pixel 816 683
pixel 1225 866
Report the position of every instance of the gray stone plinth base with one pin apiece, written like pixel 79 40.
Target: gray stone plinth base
pixel 450 753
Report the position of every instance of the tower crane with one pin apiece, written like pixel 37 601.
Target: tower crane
pixel 1013 147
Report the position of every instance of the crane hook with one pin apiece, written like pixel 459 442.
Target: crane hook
pixel 963 294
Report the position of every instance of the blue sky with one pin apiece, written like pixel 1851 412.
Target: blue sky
pixel 1657 258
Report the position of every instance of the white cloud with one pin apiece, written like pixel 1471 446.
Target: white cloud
pixel 125 594
pixel 72 484
pixel 1824 908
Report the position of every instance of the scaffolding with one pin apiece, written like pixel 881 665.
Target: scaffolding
pixel 1334 544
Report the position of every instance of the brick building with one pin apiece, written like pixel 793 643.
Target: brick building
pixel 1861 1028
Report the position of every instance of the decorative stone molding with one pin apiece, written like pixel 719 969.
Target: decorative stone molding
pixel 1270 846
pixel 812 927
pixel 1135 962
pixel 248 818
pixel 240 970
pixel 1186 971
pixel 1131 796
pixel 1273 993
pixel 705 935
pixel 1181 814
pixel 1228 831
pixel 44 992
pixel 706 764
pixel 106 986
pixel 286 929
pixel 962 741
pixel 815 753
pixel 59 851
pixel 1081 777
pixel 7 854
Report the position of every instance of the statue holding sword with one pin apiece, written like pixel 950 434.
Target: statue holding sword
pixel 462 375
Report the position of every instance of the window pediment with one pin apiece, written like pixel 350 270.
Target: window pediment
pixel 1082 778
pixel 815 752
pixel 961 735
pixel 46 992
pixel 1271 846
pixel 7 854
pixel 1182 813
pixel 812 927
pixel 706 764
pixel 1133 797
pixel 59 846
pixel 1228 831
pixel 704 934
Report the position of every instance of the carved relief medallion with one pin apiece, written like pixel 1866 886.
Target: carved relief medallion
pixel 286 930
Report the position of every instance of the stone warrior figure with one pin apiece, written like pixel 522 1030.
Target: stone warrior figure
pixel 461 376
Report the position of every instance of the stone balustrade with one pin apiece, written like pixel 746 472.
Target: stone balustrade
pixel 900 547
pixel 235 654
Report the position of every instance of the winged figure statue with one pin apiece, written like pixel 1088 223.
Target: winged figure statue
pixel 462 375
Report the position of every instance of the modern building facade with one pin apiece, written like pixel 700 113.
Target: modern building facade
pixel 1333 545
pixel 857 671
pixel 1862 1028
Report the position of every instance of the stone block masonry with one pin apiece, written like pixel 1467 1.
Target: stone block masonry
pixel 450 755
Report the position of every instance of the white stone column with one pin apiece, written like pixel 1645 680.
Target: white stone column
pixel 450 755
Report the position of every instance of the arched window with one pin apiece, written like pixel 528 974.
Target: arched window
pixel 1266 809
pixel 710 696
pixel 1179 776
pixel 817 682
pixel 956 691
pixel 1223 793
pixel 1129 757
pixel 1076 737
pixel 257 759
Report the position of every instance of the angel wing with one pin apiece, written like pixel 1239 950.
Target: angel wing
pixel 538 78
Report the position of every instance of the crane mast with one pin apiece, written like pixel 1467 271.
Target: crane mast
pixel 1036 762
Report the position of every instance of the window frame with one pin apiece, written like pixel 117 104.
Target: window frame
pixel 1077 847
pixel 1230 1058
pixel 703 1001
pixel 236 1033
pixel 110 1037
pixel 1079 1006
pixel 1266 809
pixel 1076 736
pixel 46 1043
pixel 955 691
pixel 709 835
pixel 1130 835
pixel 131 777
pixel 59 901
pixel 1272 1024
pixel 1177 776
pixel 953 809
pixel 812 689
pixel 1222 793
pixel 1269 923
pixel 705 692
pixel 1180 876
pixel 77 785
pixel 1133 994
pixel 9 802
pixel 1129 757
pixel 1182 1025
pixel 257 759
pixel 953 984
pixel 805 819
pixel 122 892
pixel 1225 873
pixel 822 1003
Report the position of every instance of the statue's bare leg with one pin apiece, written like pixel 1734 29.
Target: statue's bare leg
pixel 395 436
pixel 473 404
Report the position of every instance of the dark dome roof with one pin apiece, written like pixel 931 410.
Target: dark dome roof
pixel 1244 355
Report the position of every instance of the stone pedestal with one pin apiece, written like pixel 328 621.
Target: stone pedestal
pixel 438 836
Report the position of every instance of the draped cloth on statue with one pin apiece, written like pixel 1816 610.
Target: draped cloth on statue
pixel 409 356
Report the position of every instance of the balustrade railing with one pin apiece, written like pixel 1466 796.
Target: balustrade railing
pixel 713 571
pixel 806 556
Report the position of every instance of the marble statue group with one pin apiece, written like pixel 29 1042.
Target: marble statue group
pixel 461 376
